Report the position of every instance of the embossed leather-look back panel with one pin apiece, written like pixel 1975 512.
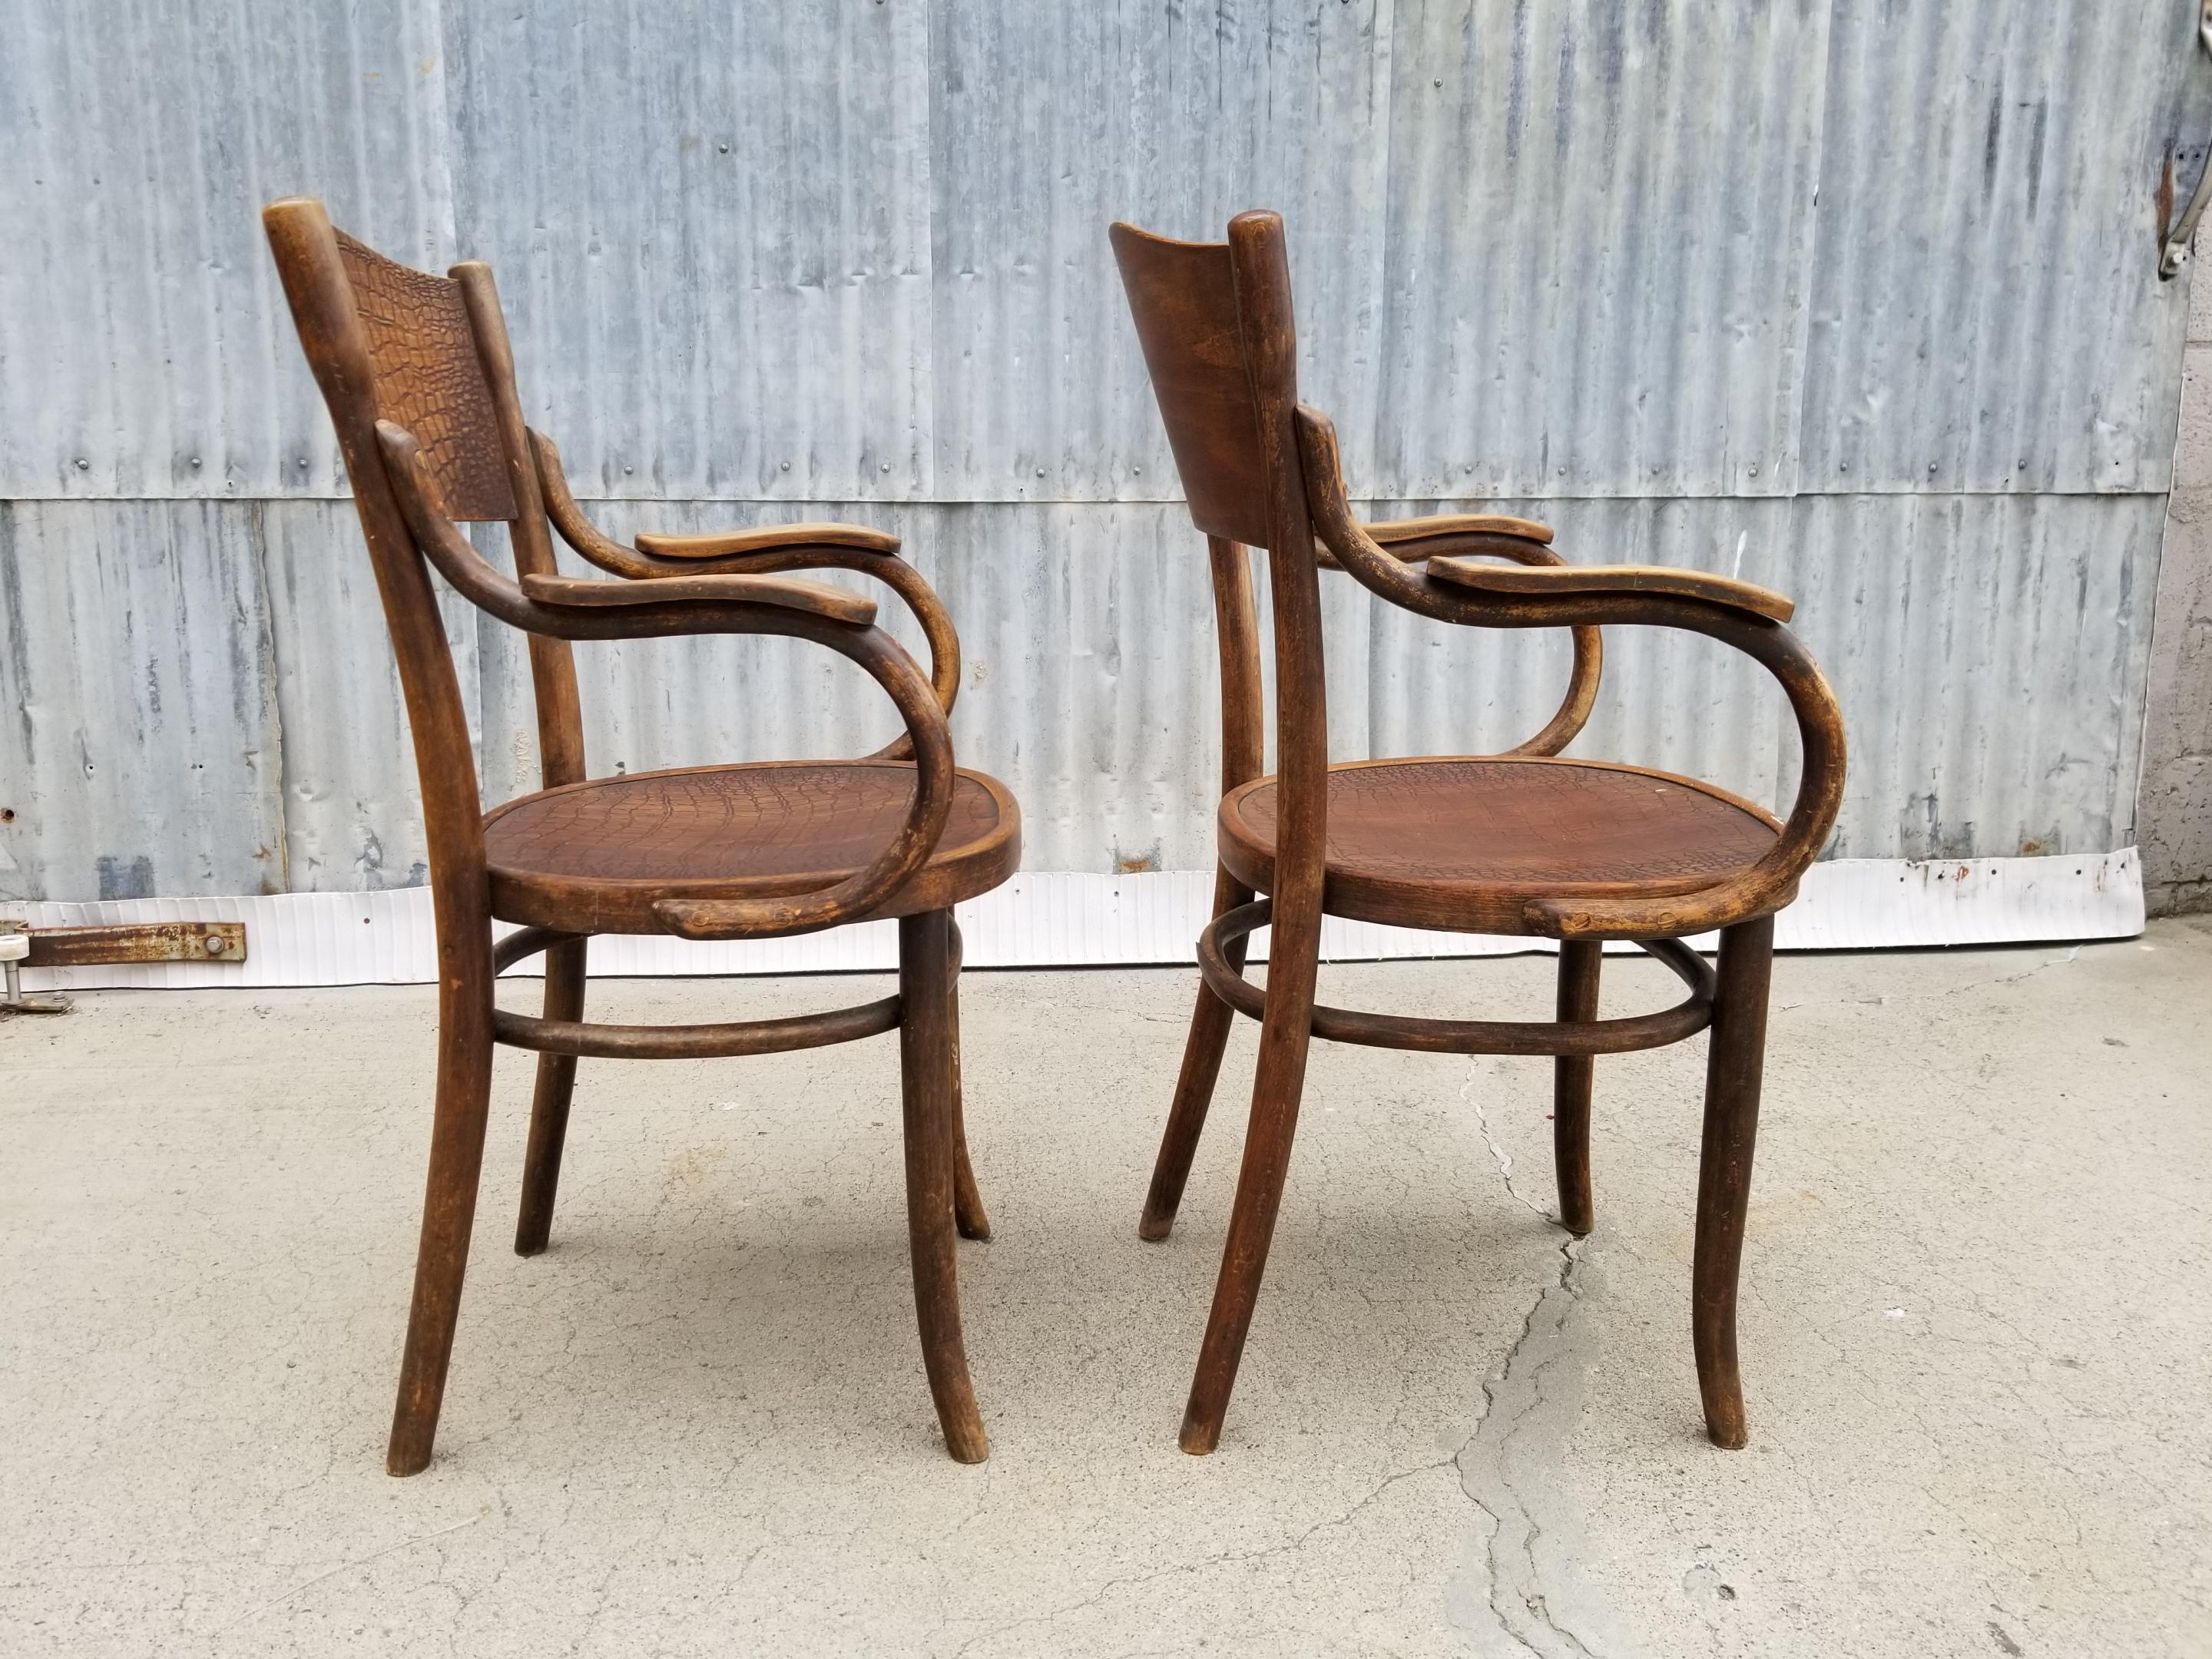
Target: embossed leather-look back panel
pixel 428 378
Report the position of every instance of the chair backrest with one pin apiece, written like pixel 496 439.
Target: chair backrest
pixel 429 378
pixel 1220 344
pixel 431 354
pixel 1214 320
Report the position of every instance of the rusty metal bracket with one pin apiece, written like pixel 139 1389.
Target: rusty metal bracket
pixel 86 947
pixel 14 948
pixel 2178 238
pixel 146 941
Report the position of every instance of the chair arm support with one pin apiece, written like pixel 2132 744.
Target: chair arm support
pixel 1351 546
pixel 1614 579
pixel 731 605
pixel 818 598
pixel 1481 533
pixel 768 538
pixel 1757 891
pixel 871 553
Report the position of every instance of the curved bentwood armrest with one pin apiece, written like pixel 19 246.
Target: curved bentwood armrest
pixel 1492 535
pixel 715 604
pixel 1735 613
pixel 759 552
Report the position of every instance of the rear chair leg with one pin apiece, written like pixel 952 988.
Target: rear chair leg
pixel 927 1063
pixel 1210 1023
pixel 1733 1068
pixel 1572 1076
pixel 549 1108
pixel 968 1213
pixel 449 1208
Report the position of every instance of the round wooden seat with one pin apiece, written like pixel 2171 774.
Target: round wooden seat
pixel 594 857
pixel 1463 843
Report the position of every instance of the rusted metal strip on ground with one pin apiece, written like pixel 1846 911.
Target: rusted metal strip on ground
pixel 155 941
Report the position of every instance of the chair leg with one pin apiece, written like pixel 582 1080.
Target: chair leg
pixel 1210 1023
pixel 1572 1076
pixel 449 1208
pixel 1733 1069
pixel 968 1211
pixel 926 1066
pixel 1286 1034
pixel 549 1108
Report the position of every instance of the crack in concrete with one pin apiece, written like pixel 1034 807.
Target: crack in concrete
pixel 302 1588
pixel 1512 1398
pixel 1223 1558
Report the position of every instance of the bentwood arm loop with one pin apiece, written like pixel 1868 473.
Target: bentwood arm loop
pixel 761 551
pixel 718 605
pixel 1492 535
pixel 1735 613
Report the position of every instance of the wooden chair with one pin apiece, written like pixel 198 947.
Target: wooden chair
pixel 1523 843
pixel 420 381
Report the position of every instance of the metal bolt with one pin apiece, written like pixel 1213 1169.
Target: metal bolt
pixel 787 466
pixel 196 460
pixel 629 469
pixel 1754 469
pixel 303 463
pixel 213 943
pixel 1040 472
pixel 725 148
pixel 887 465
pixel 83 464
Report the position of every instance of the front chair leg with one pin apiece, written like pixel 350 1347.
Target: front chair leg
pixel 1202 1050
pixel 968 1212
pixel 449 1208
pixel 1286 1034
pixel 549 1108
pixel 1733 1068
pixel 1572 1076
pixel 927 1083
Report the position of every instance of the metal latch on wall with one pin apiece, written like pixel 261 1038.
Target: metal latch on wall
pixel 86 947
pixel 2177 236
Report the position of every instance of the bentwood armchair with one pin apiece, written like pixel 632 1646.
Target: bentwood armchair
pixel 1524 843
pixel 417 374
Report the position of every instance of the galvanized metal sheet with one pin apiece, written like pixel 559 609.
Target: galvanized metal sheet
pixel 1986 309
pixel 138 727
pixel 1050 122
pixel 1601 222
pixel 142 332
pixel 1567 258
pixel 353 809
pixel 712 223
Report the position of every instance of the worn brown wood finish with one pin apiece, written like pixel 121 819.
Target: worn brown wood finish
pixel 419 378
pixel 1572 1079
pixel 1521 842
pixel 1244 737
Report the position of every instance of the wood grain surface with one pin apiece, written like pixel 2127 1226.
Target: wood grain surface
pixel 1445 842
pixel 595 856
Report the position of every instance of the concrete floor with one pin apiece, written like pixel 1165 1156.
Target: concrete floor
pixel 1975 1335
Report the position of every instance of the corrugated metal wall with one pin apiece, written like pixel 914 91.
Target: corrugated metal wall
pixel 1854 297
